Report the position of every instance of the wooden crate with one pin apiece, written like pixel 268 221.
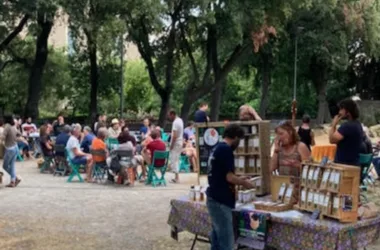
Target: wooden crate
pixel 344 191
pixel 257 132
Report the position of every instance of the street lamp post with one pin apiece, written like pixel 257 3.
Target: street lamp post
pixel 294 102
pixel 121 76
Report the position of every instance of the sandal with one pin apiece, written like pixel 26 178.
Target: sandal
pixel 173 181
pixel 18 180
pixel 12 184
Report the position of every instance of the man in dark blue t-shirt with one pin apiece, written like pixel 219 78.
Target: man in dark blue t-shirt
pixel 221 191
pixel 200 114
pixel 349 135
pixel 62 139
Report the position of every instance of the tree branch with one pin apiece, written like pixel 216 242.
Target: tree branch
pixel 238 52
pixel 5 64
pixel 19 59
pixel 189 53
pixel 171 47
pixel 147 53
pixel 14 33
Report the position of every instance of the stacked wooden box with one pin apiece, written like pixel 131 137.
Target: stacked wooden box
pixel 333 189
pixel 252 157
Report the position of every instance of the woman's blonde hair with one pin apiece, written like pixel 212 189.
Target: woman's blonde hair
pixel 43 130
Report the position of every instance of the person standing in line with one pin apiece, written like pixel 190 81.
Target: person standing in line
pixel 305 133
pixel 11 150
pixel 176 143
pixel 201 115
pixel 349 136
pixel 221 191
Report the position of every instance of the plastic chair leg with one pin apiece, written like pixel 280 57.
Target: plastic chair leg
pixel 75 172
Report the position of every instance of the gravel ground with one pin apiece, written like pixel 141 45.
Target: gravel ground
pixel 46 212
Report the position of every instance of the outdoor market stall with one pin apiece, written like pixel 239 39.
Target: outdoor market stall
pixel 287 230
pixel 316 210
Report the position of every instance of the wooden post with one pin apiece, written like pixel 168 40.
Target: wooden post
pixel 294 112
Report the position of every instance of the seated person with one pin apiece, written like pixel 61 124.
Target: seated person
pixel 125 170
pixel 62 139
pixel 115 130
pixel 23 145
pixel 88 136
pixel 189 131
pixel 191 153
pixel 45 141
pixel 155 145
pixel 145 129
pixel 98 143
pixel 125 133
pixel 28 127
pixel 76 155
pixel 148 139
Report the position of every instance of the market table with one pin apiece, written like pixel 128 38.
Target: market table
pixel 284 233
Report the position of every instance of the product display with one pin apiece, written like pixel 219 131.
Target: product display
pixel 305 172
pixel 325 179
pixel 281 193
pixel 289 194
pixel 303 198
pixel 332 188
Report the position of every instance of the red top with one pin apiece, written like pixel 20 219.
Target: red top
pixel 157 145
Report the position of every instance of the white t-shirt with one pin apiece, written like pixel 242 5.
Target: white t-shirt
pixel 178 128
pixel 27 128
pixel 71 144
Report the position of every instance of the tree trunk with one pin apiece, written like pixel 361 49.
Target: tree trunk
pixel 36 71
pixel 266 81
pixel 319 72
pixel 164 109
pixel 188 101
pixel 94 79
pixel 216 99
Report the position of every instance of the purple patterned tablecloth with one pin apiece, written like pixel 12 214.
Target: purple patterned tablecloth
pixel 303 233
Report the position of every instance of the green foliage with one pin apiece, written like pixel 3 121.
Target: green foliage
pixel 139 93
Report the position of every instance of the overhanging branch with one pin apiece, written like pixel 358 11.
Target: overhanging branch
pixel 14 33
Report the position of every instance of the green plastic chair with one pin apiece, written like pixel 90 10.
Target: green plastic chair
pixel 164 136
pixel 112 143
pixel 19 156
pixel 99 170
pixel 48 161
pixel 74 168
pixel 152 175
pixel 365 164
pixel 184 164
pixel 61 162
